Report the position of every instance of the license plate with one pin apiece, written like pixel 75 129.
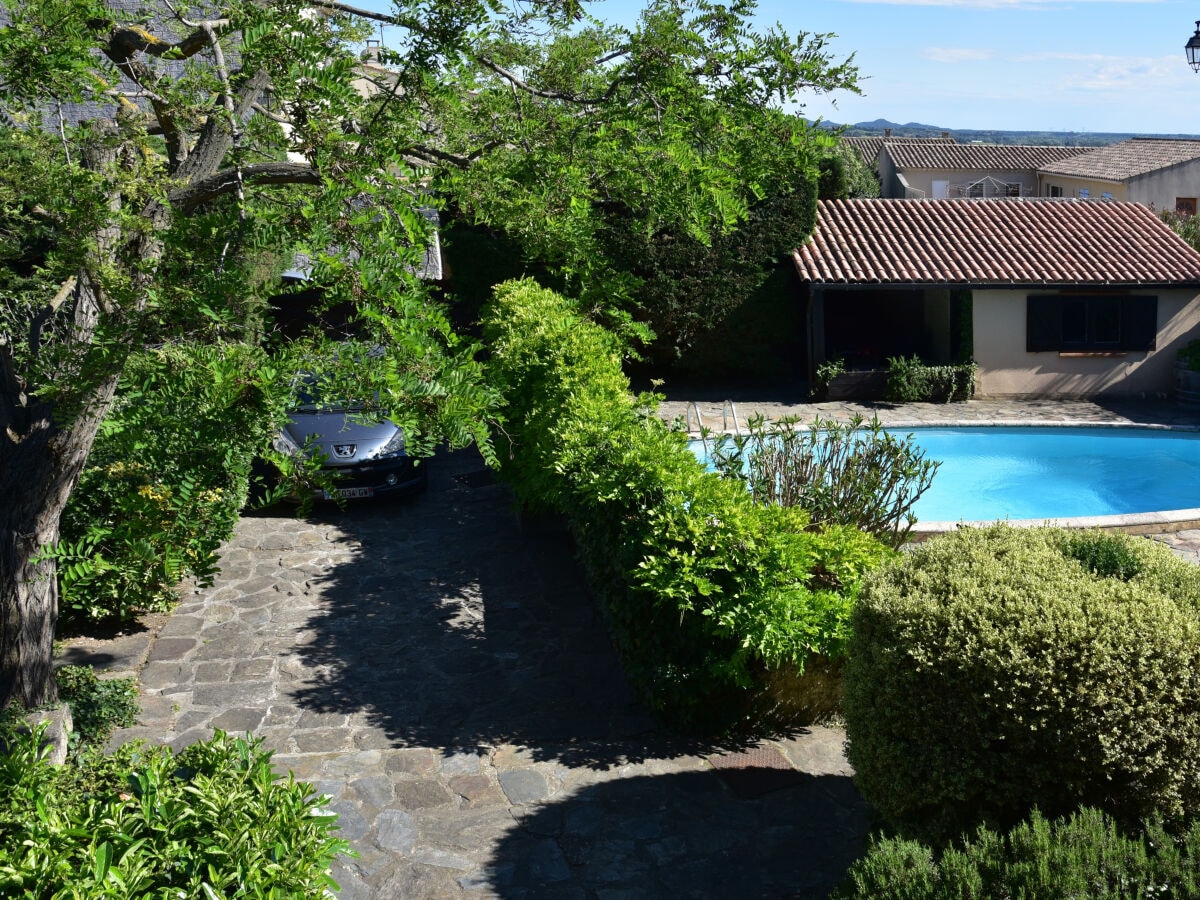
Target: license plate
pixel 349 493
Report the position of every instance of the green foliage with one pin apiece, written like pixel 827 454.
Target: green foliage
pixel 1190 355
pixel 213 820
pixel 846 474
pixel 705 591
pixel 827 373
pixel 1103 554
pixel 911 381
pixel 1081 855
pixel 97 706
pixel 831 180
pixel 167 477
pixel 658 176
pixel 1185 225
pixel 991 671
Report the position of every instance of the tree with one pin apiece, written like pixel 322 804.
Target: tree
pixel 145 168
pixel 150 161
pixel 655 170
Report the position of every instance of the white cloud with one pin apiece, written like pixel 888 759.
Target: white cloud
pixel 956 54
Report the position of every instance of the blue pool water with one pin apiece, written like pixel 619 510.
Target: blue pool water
pixel 1039 473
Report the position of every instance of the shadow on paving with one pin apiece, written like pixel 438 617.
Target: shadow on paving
pixel 455 629
pixel 684 836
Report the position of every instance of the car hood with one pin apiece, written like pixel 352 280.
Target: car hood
pixel 342 440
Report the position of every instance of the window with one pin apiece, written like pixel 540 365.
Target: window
pixel 1012 190
pixel 1107 195
pixel 1053 190
pixel 1081 323
pixel 1084 193
pixel 1185 205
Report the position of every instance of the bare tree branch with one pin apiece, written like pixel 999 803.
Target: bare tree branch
pixel 226 181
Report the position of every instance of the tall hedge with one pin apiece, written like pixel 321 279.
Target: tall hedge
pixel 994 670
pixel 706 593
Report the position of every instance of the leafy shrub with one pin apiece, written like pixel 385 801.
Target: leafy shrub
pixel 211 821
pixel 704 591
pixel 839 473
pixel 166 479
pixel 97 706
pixel 1082 855
pixel 827 373
pixel 911 381
pixel 991 671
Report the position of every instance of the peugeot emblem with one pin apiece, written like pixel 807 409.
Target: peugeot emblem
pixel 344 451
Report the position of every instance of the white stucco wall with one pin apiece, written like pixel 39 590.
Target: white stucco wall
pixel 1007 370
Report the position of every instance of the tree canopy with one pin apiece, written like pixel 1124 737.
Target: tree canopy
pixel 161 163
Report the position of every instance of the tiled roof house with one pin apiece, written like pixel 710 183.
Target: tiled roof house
pixel 964 170
pixel 1160 172
pixel 868 147
pixel 1050 297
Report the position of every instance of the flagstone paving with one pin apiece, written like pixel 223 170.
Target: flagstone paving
pixel 443 675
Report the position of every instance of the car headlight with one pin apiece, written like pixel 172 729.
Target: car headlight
pixel 284 444
pixel 394 447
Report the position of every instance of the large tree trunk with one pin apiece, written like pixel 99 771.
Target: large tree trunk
pixel 38 470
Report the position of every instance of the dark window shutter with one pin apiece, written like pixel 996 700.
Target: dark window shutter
pixel 1043 322
pixel 1139 323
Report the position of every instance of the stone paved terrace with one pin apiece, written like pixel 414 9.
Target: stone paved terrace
pixel 444 676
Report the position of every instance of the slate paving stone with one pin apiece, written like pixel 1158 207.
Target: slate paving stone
pixel 444 674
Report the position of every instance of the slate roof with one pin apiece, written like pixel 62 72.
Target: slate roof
pixel 977 156
pixel 1127 159
pixel 997 242
pixel 868 147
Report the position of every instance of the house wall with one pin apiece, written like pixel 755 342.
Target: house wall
pixel 893 182
pixel 1096 189
pixel 1007 370
pixel 1158 189
pixel 1161 189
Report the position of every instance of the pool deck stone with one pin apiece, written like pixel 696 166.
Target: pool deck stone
pixel 715 412
pixel 444 675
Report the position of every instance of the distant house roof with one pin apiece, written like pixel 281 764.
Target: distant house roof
pixel 868 147
pixel 1128 159
pixel 997 242
pixel 976 156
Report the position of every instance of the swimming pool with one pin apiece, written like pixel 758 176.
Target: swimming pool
pixel 1125 475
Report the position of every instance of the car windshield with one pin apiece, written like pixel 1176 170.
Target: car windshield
pixel 309 399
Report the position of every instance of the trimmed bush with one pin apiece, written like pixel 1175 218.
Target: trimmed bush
pixel 213 820
pixel 912 381
pixel 1083 855
pixel 705 592
pixel 992 670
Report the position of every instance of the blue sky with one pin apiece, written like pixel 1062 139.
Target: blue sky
pixel 1037 65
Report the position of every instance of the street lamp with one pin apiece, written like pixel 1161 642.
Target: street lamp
pixel 1192 49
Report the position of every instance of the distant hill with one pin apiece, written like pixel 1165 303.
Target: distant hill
pixel 966 135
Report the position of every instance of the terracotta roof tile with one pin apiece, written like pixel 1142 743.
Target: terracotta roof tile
pixel 869 147
pixel 976 156
pixel 1128 159
pixel 1026 241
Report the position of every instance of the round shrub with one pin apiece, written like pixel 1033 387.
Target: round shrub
pixel 998 669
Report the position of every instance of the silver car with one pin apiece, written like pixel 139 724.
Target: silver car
pixel 366 458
